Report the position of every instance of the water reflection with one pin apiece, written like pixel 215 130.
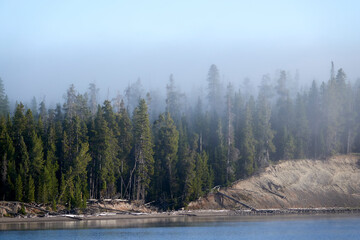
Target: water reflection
pixel 271 228
pixel 178 221
pixel 112 223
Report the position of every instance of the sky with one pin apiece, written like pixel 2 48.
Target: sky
pixel 47 45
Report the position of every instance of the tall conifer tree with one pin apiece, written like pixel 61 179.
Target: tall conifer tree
pixel 143 152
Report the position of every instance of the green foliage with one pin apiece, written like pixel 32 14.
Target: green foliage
pixel 68 154
pixel 248 152
pixel 7 152
pixel 301 132
pixel 4 102
pixel 125 142
pixel 263 131
pixel 30 196
pixel 22 210
pixel 19 188
pixel 203 180
pixel 214 90
pixel 188 166
pixel 50 181
pixel 289 145
pixel 36 156
pixel 143 151
pixel 165 183
pixel 53 205
pixel 173 100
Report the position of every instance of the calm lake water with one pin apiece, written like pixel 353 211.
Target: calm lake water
pixel 275 227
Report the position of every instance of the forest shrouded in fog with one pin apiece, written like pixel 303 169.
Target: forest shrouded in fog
pixel 170 150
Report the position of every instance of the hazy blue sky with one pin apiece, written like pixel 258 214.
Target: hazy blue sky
pixel 47 45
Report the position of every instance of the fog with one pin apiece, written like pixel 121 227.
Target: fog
pixel 201 94
pixel 46 46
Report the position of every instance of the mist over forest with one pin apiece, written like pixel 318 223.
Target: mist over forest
pixel 47 46
pixel 160 102
pixel 170 149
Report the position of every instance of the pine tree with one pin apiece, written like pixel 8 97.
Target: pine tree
pixel 144 162
pixel 4 102
pixel 23 163
pixel 74 175
pixel 104 152
pixel 332 99
pixel 166 147
pixel 19 188
pixel 238 115
pixel 284 131
pixel 75 158
pixel 36 157
pixel 7 152
pixel 48 187
pixel 248 143
pixel 125 141
pixel 190 174
pixel 93 98
pixel 172 100
pixel 81 107
pixel 29 129
pixel 90 151
pixel 52 164
pixel 70 102
pixel 263 131
pixel 186 164
pixel 133 94
pixel 266 90
pixel 281 87
pixel 356 113
pixel 289 145
pixel 283 117
pixel 232 152
pixel 42 189
pixel 350 126
pixel 314 118
pixel 301 135
pixel 199 123
pixel 204 176
pixel 43 112
pixel 218 156
pixel 214 90
pixel 18 123
pixel 113 152
pixel 31 190
pixel 33 107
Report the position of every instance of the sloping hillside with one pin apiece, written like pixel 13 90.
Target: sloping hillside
pixel 293 184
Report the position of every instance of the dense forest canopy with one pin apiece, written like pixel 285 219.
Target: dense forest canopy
pixel 169 151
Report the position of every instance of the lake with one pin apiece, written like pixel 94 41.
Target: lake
pixel 271 227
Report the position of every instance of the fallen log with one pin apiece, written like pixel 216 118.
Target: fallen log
pixel 237 201
pixel 111 209
pixel 272 192
pixel 29 206
pixel 35 207
pixel 9 211
pixel 188 214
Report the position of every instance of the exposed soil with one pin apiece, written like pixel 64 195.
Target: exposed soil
pixel 327 183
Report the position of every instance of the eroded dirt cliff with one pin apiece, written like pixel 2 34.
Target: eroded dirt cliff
pixel 333 182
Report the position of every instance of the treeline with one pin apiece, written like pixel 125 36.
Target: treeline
pixel 131 148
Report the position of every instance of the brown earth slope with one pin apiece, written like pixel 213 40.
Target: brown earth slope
pixel 293 184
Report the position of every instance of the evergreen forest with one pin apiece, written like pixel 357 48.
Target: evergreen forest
pixel 174 149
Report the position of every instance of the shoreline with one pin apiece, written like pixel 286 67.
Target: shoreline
pixel 190 214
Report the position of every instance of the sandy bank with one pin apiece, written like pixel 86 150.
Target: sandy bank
pixel 307 183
